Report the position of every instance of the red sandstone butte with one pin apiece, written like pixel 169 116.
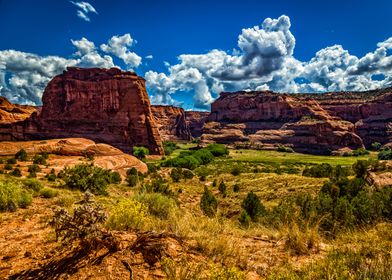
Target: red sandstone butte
pixel 171 123
pixel 104 105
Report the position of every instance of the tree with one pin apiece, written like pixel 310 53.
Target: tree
pixel 208 203
pixel 140 152
pixel 21 155
pixel 253 206
pixel 222 188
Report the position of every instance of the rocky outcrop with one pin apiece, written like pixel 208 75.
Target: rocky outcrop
pixel 265 119
pixel 195 121
pixel 171 123
pixel 105 105
pixel 70 151
pixel 10 113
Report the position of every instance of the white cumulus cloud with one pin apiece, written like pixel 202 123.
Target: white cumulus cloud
pixel 84 9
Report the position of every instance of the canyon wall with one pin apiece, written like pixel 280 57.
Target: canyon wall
pixel 105 105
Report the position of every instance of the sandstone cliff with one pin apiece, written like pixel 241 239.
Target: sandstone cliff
pixel 195 121
pixel 171 123
pixel 265 119
pixel 10 113
pixel 105 105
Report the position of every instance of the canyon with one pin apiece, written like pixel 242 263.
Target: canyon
pixel 112 106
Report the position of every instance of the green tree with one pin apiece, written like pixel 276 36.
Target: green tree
pixel 208 203
pixel 21 155
pixel 253 206
pixel 140 152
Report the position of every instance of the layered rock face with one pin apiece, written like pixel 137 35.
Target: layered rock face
pixel 171 123
pixel 267 119
pixel 104 105
pixel 10 113
pixel 195 121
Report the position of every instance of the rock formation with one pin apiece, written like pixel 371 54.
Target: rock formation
pixel 195 121
pixel 265 119
pixel 10 113
pixel 171 123
pixel 69 152
pixel 104 105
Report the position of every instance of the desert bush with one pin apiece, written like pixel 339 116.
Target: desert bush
pixel 84 226
pixel 245 219
pixel 385 154
pixel 13 196
pixel 208 203
pixel 152 167
pixel 33 184
pixel 323 170
pixel 218 150
pixel 11 161
pixel 360 152
pixel 301 242
pixel 176 174
pixel 34 168
pixel 87 177
pixel 48 193
pixel 360 168
pixel 236 188
pixel 40 159
pixel 128 214
pixel 159 185
pixel 215 183
pixel 169 147
pixel 16 172
pixel 115 178
pixel 8 166
pixel 158 205
pixel 21 155
pixel 51 177
pixel 253 206
pixel 285 149
pixel 140 152
pixel 376 146
pixel 222 188
pixel 236 170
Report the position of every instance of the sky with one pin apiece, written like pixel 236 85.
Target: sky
pixel 190 51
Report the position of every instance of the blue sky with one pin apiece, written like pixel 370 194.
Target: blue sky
pixel 350 36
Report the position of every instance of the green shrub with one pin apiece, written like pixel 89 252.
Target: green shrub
pixel 133 180
pixel 11 161
pixel 39 159
pixel 48 193
pixel 385 154
pixel 284 149
pixel 360 168
pixel 169 147
pixel 140 152
pixel 215 183
pixel 16 172
pixel 158 205
pixel 87 177
pixel 360 152
pixel 51 177
pixel 115 178
pixel 208 203
pixel 33 184
pixel 8 166
pixel 218 150
pixel 176 174
pixel 253 206
pixel 159 185
pixel 187 174
pixel 236 188
pixel 34 168
pixel 21 155
pixel 323 170
pixel 152 167
pixel 236 170
pixel 245 219
pixel 128 214
pixel 222 188
pixel 376 146
pixel 13 196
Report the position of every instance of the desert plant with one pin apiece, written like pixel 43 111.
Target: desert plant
pixel 48 193
pixel 40 159
pixel 208 203
pixel 128 214
pixel 236 188
pixel 158 205
pixel 285 149
pixel 16 172
pixel 236 170
pixel 34 168
pixel 222 188
pixel 376 146
pixel 33 184
pixel 8 166
pixel 385 154
pixel 218 150
pixel 253 206
pixel 21 155
pixel 87 177
pixel 84 226
pixel 176 174
pixel 140 152
pixel 169 147
pixel 13 196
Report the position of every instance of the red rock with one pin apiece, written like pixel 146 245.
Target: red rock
pixel 195 121
pixel 10 113
pixel 105 105
pixel 171 123
pixel 266 118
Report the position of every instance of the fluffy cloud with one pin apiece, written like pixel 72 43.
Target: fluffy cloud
pixel 84 9
pixel 119 46
pixel 264 59
pixel 23 76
